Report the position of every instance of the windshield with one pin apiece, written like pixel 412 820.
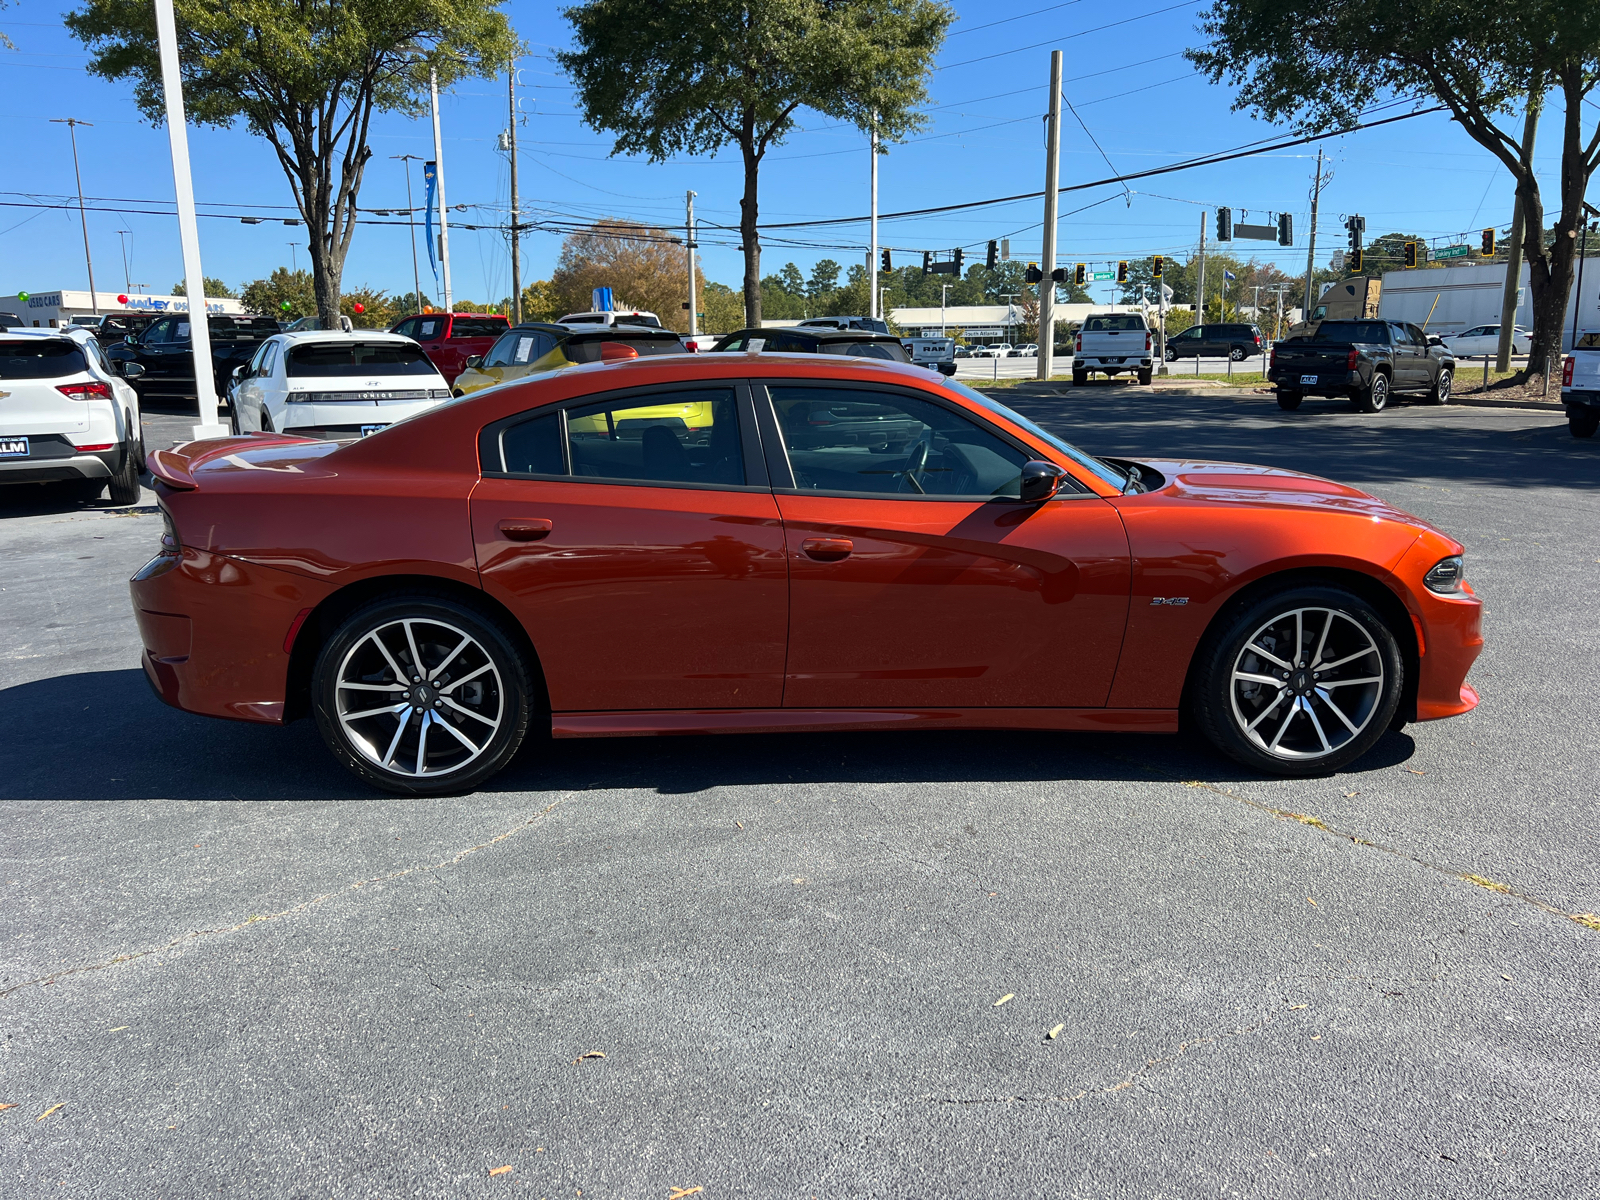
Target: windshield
pixel 40 360
pixel 1121 324
pixel 1103 471
pixel 344 360
pixel 1351 331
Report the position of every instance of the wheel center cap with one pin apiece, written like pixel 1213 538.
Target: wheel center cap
pixel 422 695
pixel 1301 682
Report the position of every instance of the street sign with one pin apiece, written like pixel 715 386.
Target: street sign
pixel 1453 252
pixel 1102 276
pixel 1259 233
pixel 1338 260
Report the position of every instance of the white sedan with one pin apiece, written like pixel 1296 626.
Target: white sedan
pixel 334 385
pixel 1485 339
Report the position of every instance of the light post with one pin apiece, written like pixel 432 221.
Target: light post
pixel 411 223
pixel 944 290
pixel 72 124
pixel 127 275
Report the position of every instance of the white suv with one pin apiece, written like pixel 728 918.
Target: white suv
pixel 333 385
pixel 66 416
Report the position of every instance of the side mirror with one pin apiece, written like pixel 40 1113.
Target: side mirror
pixel 129 340
pixel 1040 481
pixel 130 370
pixel 238 372
pixel 1435 341
pixel 475 360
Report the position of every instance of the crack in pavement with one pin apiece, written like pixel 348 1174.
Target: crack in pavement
pixel 1128 1081
pixel 1587 920
pixel 255 919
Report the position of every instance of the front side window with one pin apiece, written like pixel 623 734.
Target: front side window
pixel 427 329
pixel 511 349
pixel 884 443
pixel 161 332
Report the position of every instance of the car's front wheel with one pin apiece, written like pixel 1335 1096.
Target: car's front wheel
pixel 1440 393
pixel 1300 683
pixel 421 694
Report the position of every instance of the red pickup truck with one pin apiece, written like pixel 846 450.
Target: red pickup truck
pixel 449 339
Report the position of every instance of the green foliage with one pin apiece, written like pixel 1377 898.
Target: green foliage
pixel 824 279
pixel 306 76
pixel 267 297
pixel 541 303
pixel 644 266
pixel 215 289
pixel 692 76
pixel 723 308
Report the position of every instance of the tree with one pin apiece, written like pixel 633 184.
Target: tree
pixel 643 266
pixel 692 76
pixel 540 302
pixel 306 76
pixel 1320 63
pixel 214 287
pixel 824 280
pixel 285 294
pixel 723 308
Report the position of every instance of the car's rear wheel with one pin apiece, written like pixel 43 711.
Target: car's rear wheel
pixel 1583 424
pixel 1289 401
pixel 1236 353
pixel 1144 375
pixel 1375 397
pixel 1301 682
pixel 1080 378
pixel 1171 355
pixel 421 694
pixel 125 483
pixel 1440 393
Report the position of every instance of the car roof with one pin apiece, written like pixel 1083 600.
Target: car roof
pixel 819 333
pixel 539 327
pixel 64 333
pixel 301 337
pixel 611 332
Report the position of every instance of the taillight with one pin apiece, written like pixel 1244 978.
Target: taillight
pixel 1351 359
pixel 1077 342
pixel 693 347
pixel 1257 337
pixel 1147 341
pixel 169 534
pixel 1566 370
pixel 85 391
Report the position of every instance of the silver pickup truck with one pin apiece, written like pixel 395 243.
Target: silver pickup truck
pixel 1112 343
pixel 1580 385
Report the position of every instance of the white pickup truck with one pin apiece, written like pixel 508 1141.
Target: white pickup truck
pixel 1111 343
pixel 935 353
pixel 1580 385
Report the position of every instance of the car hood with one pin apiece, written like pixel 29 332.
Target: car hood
pixel 1204 482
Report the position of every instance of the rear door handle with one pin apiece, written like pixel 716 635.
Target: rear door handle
pixel 528 529
pixel 827 549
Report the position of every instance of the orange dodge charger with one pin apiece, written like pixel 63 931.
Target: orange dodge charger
pixel 758 542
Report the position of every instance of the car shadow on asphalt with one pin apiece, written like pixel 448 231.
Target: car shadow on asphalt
pixel 105 735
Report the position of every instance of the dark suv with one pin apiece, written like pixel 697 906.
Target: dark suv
pixel 1237 342
pixel 797 339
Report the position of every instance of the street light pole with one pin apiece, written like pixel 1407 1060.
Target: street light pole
pixel 127 275
pixel 72 124
pixel 438 174
pixel 411 222
pixel 689 248
pixel 1052 182
pixel 944 291
pixel 516 233
pixel 872 249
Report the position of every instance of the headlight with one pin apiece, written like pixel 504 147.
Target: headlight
pixel 1446 576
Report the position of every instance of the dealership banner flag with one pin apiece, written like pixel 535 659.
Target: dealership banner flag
pixel 430 176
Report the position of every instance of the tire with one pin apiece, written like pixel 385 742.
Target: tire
pixel 1583 424
pixel 1375 397
pixel 1289 401
pixel 384 740
pixel 1247 679
pixel 1236 353
pixel 1144 376
pixel 1441 387
pixel 1171 355
pixel 1080 378
pixel 233 418
pixel 125 483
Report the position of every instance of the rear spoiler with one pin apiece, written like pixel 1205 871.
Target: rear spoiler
pixel 176 467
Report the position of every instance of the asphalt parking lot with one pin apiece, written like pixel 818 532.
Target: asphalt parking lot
pixel 774 966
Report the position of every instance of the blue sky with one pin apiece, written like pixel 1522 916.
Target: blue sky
pixel 1133 92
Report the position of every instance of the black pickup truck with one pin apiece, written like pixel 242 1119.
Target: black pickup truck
pixel 165 352
pixel 1367 361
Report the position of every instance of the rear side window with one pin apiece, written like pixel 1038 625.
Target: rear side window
pixel 678 437
pixel 465 327
pixel 534 447
pixel 1114 323
pixel 588 350
pixel 40 360
pixel 346 359
pixel 426 329
pixel 889 351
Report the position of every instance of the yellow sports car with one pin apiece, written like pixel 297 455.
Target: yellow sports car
pixel 534 347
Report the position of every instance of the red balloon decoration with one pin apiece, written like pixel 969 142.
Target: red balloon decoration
pixel 122 299
pixel 360 308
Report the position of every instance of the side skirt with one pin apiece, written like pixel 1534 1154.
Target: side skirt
pixel 790 720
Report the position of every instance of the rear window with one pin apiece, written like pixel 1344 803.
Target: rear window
pixel 348 359
pixel 40 360
pixel 587 349
pixel 1351 331
pixel 238 327
pixel 889 351
pixel 1589 341
pixel 1120 324
pixel 638 319
pixel 464 327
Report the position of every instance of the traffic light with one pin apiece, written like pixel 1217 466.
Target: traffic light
pixel 1411 254
pixel 1059 275
pixel 1224 224
pixel 927 262
pixel 1158 264
pixel 959 255
pixel 994 256
pixel 1353 261
pixel 1285 229
pixel 1122 272
pixel 888 263
pixel 1032 274
pixel 1080 274
pixel 1488 243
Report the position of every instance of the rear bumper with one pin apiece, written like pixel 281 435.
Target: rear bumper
pixel 1130 362
pixel 213 630
pixel 1335 383
pixel 100 465
pixel 1580 402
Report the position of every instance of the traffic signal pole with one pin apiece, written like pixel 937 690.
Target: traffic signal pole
pixel 1052 181
pixel 689 247
pixel 1508 296
pixel 872 250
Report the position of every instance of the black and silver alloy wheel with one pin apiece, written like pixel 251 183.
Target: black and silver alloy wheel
pixel 421 695
pixel 1301 683
pixel 1376 396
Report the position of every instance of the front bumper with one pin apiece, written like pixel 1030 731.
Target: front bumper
pixel 1449 633
pixel 213 630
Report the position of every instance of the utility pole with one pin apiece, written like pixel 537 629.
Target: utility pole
pixel 127 275
pixel 516 231
pixel 1052 184
pixel 944 291
pixel 872 249
pixel 1200 285
pixel 438 174
pixel 1311 251
pixel 1508 294
pixel 211 424
pixel 411 220
pixel 689 245
pixel 72 124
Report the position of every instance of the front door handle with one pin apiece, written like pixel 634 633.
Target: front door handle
pixel 825 549
pixel 527 529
